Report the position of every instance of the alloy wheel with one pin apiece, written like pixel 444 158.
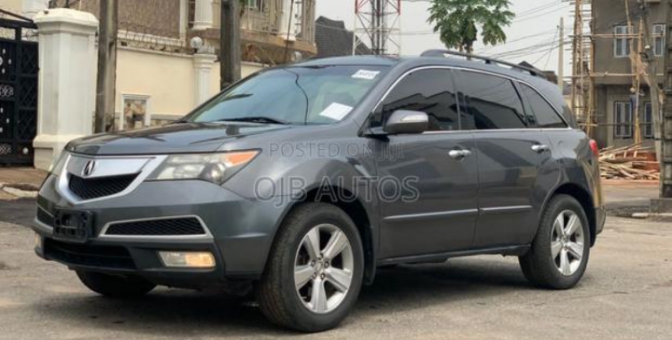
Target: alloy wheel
pixel 323 268
pixel 567 242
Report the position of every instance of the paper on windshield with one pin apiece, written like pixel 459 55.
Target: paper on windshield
pixel 336 111
pixel 366 74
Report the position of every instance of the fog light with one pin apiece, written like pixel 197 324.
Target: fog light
pixel 187 259
pixel 38 241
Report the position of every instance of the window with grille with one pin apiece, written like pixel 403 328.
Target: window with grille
pixel 621 41
pixel 622 120
pixel 192 13
pixel 659 40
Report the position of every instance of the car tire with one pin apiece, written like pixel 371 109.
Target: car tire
pixel 285 293
pixel 115 286
pixel 559 253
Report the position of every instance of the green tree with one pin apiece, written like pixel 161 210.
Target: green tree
pixel 458 22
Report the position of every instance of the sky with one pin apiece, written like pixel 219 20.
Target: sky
pixel 532 37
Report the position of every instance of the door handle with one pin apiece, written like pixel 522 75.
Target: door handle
pixel 459 154
pixel 539 148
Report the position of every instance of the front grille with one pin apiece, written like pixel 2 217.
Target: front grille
pixel 44 217
pixel 88 255
pixel 90 188
pixel 166 227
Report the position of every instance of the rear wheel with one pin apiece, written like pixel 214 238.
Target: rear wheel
pixel 115 286
pixel 559 253
pixel 315 270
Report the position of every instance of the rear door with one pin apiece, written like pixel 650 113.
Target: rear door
pixel 515 167
pixel 440 214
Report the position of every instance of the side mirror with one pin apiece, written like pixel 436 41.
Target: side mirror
pixel 407 122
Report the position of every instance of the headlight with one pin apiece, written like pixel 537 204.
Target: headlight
pixel 211 167
pixel 57 166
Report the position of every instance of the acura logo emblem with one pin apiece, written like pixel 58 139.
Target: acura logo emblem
pixel 88 168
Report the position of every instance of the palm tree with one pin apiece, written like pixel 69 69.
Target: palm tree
pixel 458 22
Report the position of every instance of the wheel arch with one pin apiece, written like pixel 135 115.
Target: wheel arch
pixel 355 209
pixel 584 198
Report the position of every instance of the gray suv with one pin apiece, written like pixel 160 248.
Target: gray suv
pixel 298 182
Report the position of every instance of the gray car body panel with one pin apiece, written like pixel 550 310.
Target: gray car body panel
pixel 245 213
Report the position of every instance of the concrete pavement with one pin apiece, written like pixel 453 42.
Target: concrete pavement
pixel 626 294
pixel 626 197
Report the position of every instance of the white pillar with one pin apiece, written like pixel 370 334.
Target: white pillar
pixel 32 7
pixel 203 63
pixel 203 16
pixel 184 18
pixel 67 80
pixel 287 21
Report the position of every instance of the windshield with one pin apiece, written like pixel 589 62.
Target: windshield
pixel 293 95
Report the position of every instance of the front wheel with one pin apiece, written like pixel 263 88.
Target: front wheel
pixel 315 269
pixel 559 253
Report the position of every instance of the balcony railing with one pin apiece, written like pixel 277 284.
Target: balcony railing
pixel 266 17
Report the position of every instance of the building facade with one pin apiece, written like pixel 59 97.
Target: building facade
pixel 160 77
pixel 615 98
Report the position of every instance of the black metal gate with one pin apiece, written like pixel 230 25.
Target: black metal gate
pixel 18 92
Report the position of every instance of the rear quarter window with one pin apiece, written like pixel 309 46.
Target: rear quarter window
pixel 546 115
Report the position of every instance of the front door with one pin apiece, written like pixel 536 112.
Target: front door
pixel 435 210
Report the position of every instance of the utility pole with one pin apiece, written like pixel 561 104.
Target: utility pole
pixel 637 58
pixel 107 66
pixel 665 202
pixel 229 51
pixel 591 80
pixel 650 68
pixel 575 56
pixel 579 69
pixel 561 57
pixel 635 68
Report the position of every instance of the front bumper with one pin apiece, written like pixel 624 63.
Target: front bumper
pixel 240 232
pixel 138 259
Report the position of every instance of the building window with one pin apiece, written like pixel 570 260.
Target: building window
pixel 255 4
pixel 659 40
pixel 648 121
pixel 621 42
pixel 136 112
pixel 622 120
pixel 191 17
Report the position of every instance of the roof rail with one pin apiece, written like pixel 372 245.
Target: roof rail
pixel 487 60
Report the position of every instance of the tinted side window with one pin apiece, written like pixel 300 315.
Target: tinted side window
pixel 429 91
pixel 492 102
pixel 546 116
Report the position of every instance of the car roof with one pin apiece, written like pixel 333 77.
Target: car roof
pixel 540 83
pixel 412 62
pixel 369 60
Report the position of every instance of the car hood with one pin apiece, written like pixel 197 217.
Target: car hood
pixel 174 138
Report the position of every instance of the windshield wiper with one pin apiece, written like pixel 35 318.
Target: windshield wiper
pixel 256 119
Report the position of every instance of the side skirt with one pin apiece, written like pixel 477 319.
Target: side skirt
pixel 433 258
